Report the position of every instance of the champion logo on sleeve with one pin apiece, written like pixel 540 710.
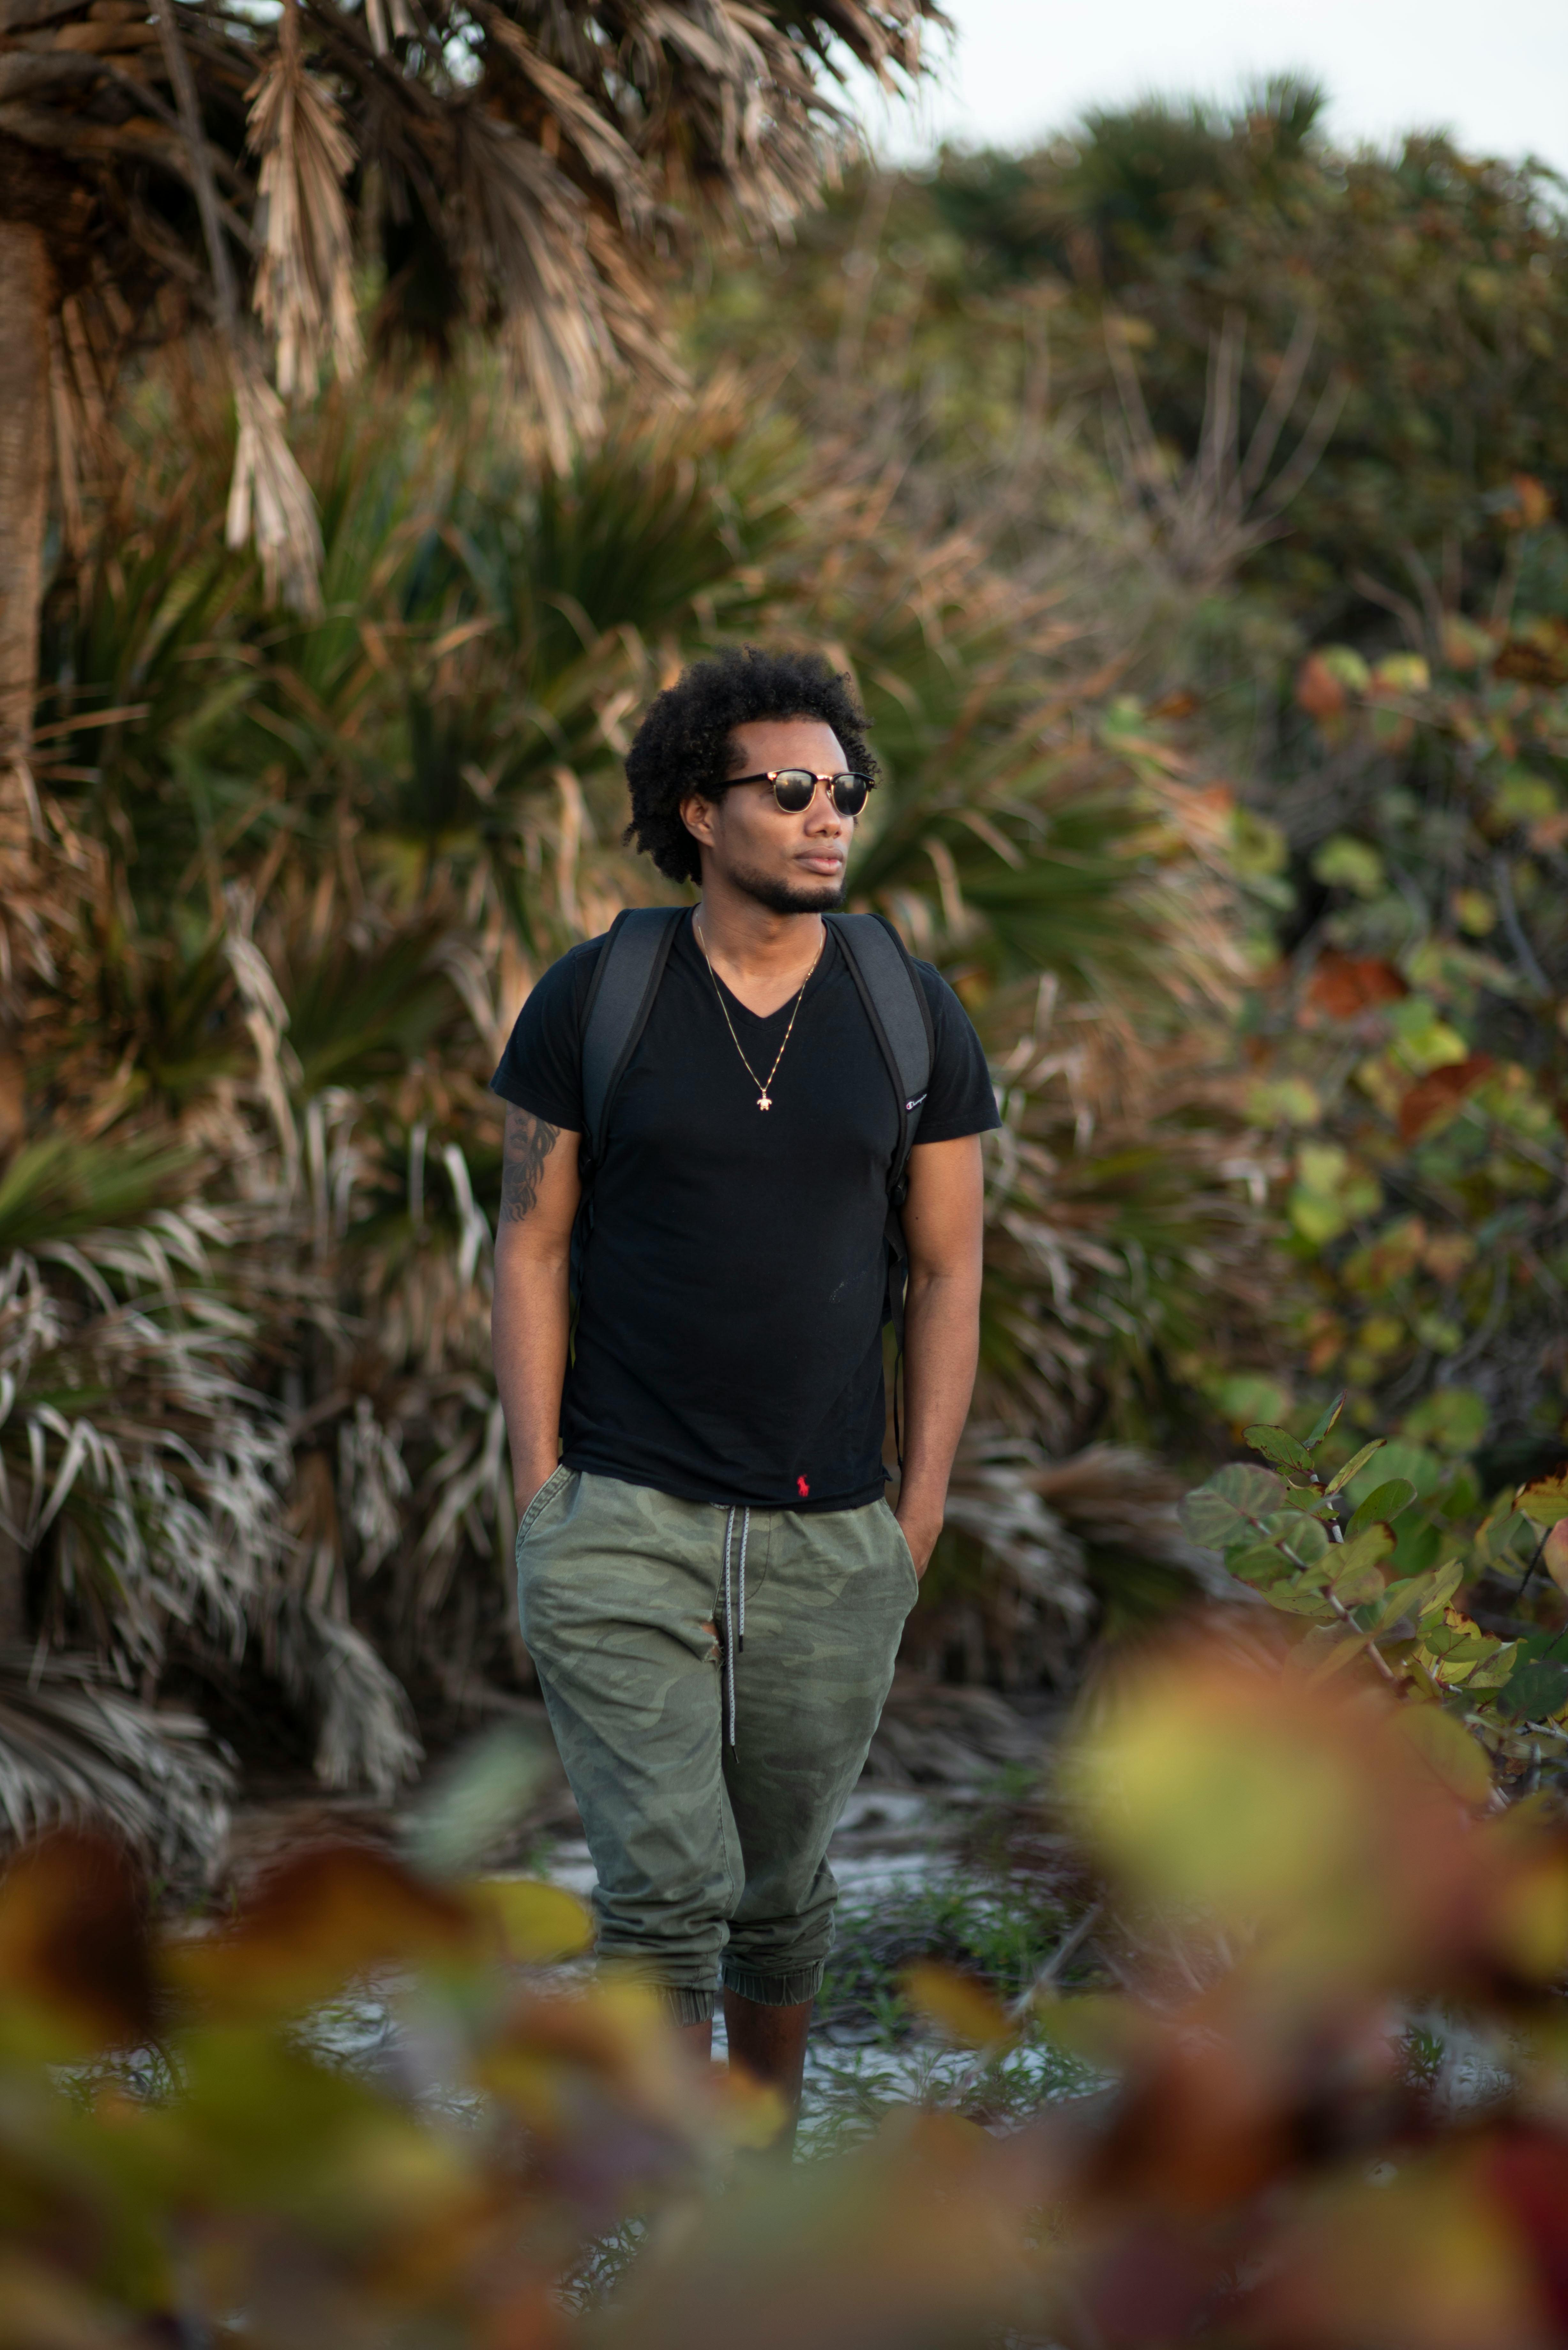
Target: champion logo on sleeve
pixel 802 1488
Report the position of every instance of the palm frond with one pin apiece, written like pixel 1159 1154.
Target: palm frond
pixel 74 1747
pixel 304 287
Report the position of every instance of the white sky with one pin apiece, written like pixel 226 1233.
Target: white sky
pixel 1496 75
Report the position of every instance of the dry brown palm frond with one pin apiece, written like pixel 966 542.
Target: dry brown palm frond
pixel 269 495
pixel 524 232
pixel 526 168
pixel 304 287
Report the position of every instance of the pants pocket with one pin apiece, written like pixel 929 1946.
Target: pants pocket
pixel 542 1499
pixel 905 1553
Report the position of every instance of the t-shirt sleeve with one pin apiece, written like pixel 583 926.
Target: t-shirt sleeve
pixel 541 1070
pixel 960 1098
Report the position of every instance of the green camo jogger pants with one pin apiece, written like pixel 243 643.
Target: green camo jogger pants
pixel 710 1857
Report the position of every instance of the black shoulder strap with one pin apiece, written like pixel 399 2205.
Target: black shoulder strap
pixel 901 1020
pixel 625 982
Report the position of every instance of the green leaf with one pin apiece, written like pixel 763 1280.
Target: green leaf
pixel 1224 1512
pixel 1325 1422
pixel 1448 1749
pixel 1276 1445
pixel 1383 1502
pixel 1537 1688
pixel 1264 1564
pixel 1445 1581
pixel 1533 1692
pixel 1357 1460
pixel 1545 1499
pixel 1299 1536
pixel 1355 1586
pixel 1364 1549
pixel 1302 1597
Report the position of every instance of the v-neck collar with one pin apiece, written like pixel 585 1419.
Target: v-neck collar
pixel 732 1002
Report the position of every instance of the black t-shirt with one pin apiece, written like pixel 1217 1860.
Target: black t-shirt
pixel 729 1338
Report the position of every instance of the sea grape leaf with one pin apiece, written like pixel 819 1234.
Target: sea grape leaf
pixel 1545 1499
pixel 1354 1586
pixel 1265 1563
pixel 1444 1581
pixel 1277 1445
pixel 1300 1538
pixel 1321 1425
pixel 1495 1670
pixel 1406 1595
pixel 1383 1502
pixel 1223 1512
pixel 1302 1597
pixel 1417 1542
pixel 1537 1688
pixel 1364 1549
pixel 1356 1462
pixel 1533 1692
pixel 1447 1748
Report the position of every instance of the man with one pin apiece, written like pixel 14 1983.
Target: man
pixel 713 1584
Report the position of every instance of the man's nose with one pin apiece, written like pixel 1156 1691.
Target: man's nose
pixel 823 815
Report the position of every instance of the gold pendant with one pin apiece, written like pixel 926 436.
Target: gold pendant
pixel 763 1102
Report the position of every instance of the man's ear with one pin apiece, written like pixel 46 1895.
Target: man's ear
pixel 698 814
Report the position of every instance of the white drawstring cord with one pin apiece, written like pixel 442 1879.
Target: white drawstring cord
pixel 734 1632
pixel 745 1531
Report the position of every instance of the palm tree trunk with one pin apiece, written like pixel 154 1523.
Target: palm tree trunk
pixel 27 288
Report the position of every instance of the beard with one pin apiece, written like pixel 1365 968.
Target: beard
pixel 781 898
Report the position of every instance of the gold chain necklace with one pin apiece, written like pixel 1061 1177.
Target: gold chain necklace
pixel 763 1098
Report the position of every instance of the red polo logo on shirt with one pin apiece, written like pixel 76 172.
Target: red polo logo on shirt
pixel 802 1488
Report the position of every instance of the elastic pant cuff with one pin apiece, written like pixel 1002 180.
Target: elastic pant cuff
pixel 684 2005
pixel 775 1991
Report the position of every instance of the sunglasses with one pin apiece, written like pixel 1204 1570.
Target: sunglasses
pixel 794 788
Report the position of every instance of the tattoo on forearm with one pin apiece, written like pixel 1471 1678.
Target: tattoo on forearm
pixel 529 1142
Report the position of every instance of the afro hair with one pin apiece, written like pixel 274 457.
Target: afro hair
pixel 684 745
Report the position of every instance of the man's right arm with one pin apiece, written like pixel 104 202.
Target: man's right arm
pixel 530 1317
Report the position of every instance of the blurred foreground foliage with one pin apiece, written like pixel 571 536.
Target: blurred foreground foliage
pixel 1328 2070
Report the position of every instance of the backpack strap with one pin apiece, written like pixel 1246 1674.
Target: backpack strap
pixel 900 1017
pixel 620 997
pixel 901 1020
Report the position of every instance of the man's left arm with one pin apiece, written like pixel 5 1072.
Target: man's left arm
pixel 944 1219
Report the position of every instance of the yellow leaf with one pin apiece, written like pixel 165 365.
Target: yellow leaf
pixel 1555 1553
pixel 1531 1919
pixel 963 2008
pixel 534 1923
pixel 1544 1500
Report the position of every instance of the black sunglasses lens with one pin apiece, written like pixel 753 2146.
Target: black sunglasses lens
pixel 795 787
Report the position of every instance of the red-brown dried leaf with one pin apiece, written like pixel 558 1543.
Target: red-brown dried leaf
pixel 1439 1092
pixel 1318 691
pixel 330 1913
pixel 1342 985
pixel 73 1944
